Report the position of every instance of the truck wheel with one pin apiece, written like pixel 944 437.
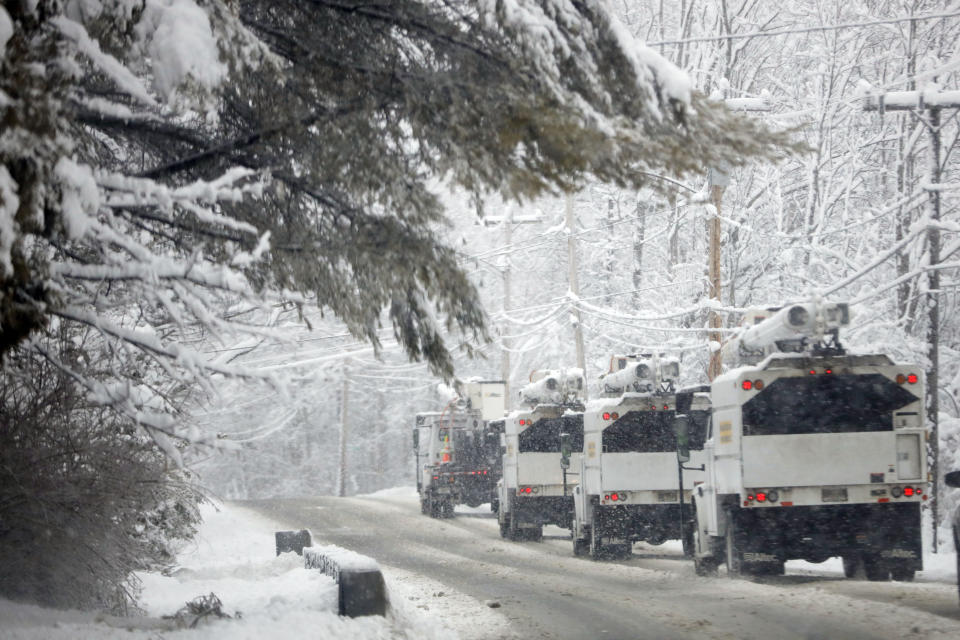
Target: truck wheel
pixel 580 546
pixel 424 506
pixel 902 573
pixel 597 550
pixel 852 565
pixel 734 555
pixel 446 508
pixel 687 541
pixel 875 568
pixel 513 528
pixel 702 565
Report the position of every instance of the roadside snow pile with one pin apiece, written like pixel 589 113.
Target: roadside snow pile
pixel 234 558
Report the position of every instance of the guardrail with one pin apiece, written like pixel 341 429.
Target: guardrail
pixel 362 591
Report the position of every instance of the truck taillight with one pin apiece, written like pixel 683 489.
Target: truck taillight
pixel 908 378
pixel 761 496
pixel 747 385
pixel 908 491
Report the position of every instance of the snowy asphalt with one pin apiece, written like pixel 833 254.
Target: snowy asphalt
pixel 546 592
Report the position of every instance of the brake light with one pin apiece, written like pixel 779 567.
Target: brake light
pixel 653 407
pixel 666 407
pixel 813 372
pixel 747 385
pixel 908 491
pixel 606 497
pixel 828 371
pixel 614 497
pixel 912 378
pixel 522 422
pixel 761 496
pixel 606 416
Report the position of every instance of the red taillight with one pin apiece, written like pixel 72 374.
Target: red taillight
pixel 606 416
pixel 761 497
pixel 653 407
pixel 813 372
pixel 606 497
pixel 747 385
pixel 908 491
pixel 750 497
pixel 436 477
pixel 828 371
pixel 666 407
pixel 912 378
pixel 614 497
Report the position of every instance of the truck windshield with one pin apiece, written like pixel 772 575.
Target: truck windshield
pixel 825 404
pixel 651 432
pixel 544 435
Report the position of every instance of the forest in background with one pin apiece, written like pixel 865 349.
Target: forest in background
pixel 846 220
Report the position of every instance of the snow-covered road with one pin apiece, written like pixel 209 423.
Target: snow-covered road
pixel 545 592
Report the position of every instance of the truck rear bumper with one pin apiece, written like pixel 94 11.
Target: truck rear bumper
pixel 891 531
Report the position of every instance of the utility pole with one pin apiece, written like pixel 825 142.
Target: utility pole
pixel 931 100
pixel 574 283
pixel 507 221
pixel 344 404
pixel 718 178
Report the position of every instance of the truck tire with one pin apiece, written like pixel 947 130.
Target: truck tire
pixel 703 565
pixel 596 549
pixel 446 508
pixel 875 568
pixel 852 565
pixel 580 546
pixel 902 573
pixel 504 529
pixel 687 541
pixel 734 556
pixel 513 527
pixel 424 506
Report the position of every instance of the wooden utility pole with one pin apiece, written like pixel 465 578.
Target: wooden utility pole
pixel 718 178
pixel 718 181
pixel 574 284
pixel 931 101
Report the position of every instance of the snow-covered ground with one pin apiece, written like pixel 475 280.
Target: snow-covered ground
pixel 267 596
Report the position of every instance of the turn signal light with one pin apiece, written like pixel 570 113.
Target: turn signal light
pixel 614 415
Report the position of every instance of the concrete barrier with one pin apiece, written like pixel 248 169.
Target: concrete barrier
pixel 293 541
pixel 362 591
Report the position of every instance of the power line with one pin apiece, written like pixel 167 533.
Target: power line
pixel 782 32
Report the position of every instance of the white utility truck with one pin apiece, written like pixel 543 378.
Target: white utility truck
pixel 812 453
pixel 536 489
pixel 457 450
pixel 629 488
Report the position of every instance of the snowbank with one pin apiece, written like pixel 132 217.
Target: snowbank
pixel 268 596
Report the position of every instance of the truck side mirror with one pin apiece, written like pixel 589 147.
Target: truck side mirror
pixel 952 479
pixel 681 426
pixel 565 450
